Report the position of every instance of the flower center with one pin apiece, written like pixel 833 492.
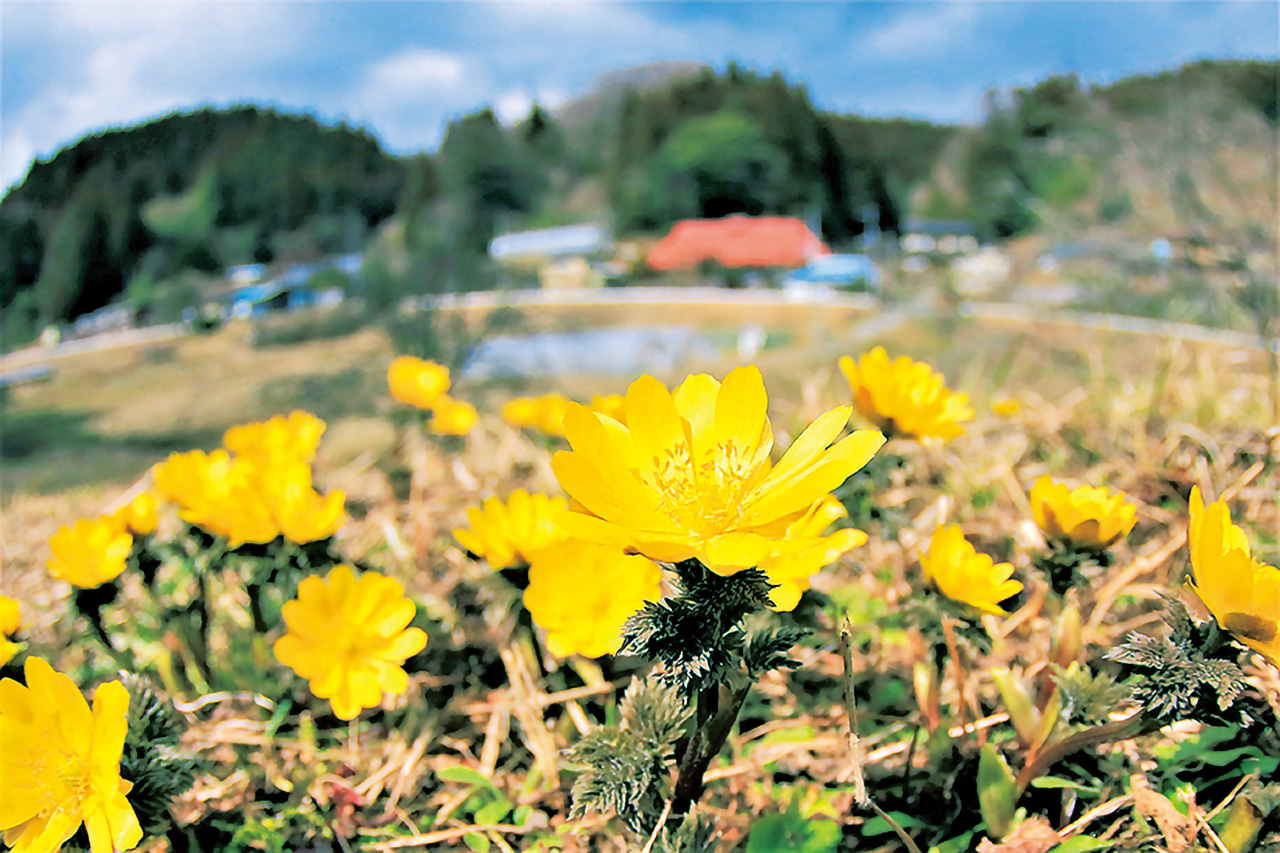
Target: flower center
pixel 706 497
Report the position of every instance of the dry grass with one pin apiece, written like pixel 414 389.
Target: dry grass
pixel 1153 419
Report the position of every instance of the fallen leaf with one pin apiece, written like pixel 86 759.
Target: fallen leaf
pixel 1178 829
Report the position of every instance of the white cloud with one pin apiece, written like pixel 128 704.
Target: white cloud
pixel 923 30
pixel 412 75
pixel 120 63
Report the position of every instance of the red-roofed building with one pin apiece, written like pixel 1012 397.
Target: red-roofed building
pixel 737 241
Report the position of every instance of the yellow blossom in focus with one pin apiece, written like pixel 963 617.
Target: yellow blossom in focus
pixel 1007 407
pixel 10 624
pixel 140 515
pixel 1241 593
pixel 90 552
pixel 613 405
pixel 964 575
pixel 583 592
pixel 1088 516
pixel 804 551
pixel 416 381
pixel 280 440
pixel 60 764
pixel 506 534
pixel 905 396
pixel 690 474
pixel 349 637
pixel 453 417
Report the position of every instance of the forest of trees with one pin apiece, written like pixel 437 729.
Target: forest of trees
pixel 133 211
pixel 197 191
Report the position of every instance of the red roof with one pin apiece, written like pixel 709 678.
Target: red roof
pixel 737 241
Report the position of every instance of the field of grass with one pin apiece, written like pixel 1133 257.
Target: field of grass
pixel 490 710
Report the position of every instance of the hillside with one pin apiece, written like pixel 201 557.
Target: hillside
pixel 199 190
pixel 1189 152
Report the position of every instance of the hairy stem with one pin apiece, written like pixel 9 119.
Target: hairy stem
pixel 704 746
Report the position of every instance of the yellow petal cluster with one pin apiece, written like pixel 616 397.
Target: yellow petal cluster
pixel 262 491
pixel 1088 516
pixel 140 515
pixel 545 413
pixel 60 764
pixel 690 474
pixel 281 440
pixel 506 534
pixel 416 381
pixel 905 396
pixel 349 637
pixel 964 575
pixel 804 551
pixel 583 592
pixel 90 552
pixel 1242 594
pixel 10 624
pixel 453 417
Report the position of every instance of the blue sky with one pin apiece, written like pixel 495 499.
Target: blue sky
pixel 403 68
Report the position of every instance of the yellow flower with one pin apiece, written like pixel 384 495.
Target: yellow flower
pixel 1088 516
pixel 249 499
pixel 690 474
pixel 583 592
pixel 613 405
pixel 60 764
pixel 453 417
pixel 1242 593
pixel 545 413
pixel 804 551
pixel 140 515
pixel 964 575
pixel 10 624
pixel 303 514
pixel 90 552
pixel 280 440
pixel 521 412
pixel 908 397
pixel 505 535
pixel 223 495
pixel 1007 407
pixel 349 637
pixel 416 381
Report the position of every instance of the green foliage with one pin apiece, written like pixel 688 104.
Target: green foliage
pixel 624 765
pixel 209 187
pixel 1087 697
pixel 1190 674
pixel 696 834
pixel 696 632
pixel 152 759
pixel 188 217
pixel 997 791
pixel 792 832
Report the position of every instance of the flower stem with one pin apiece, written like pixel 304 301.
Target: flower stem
pixel 705 745
pixel 1117 730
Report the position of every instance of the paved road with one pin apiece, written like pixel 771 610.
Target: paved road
pixel 109 340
